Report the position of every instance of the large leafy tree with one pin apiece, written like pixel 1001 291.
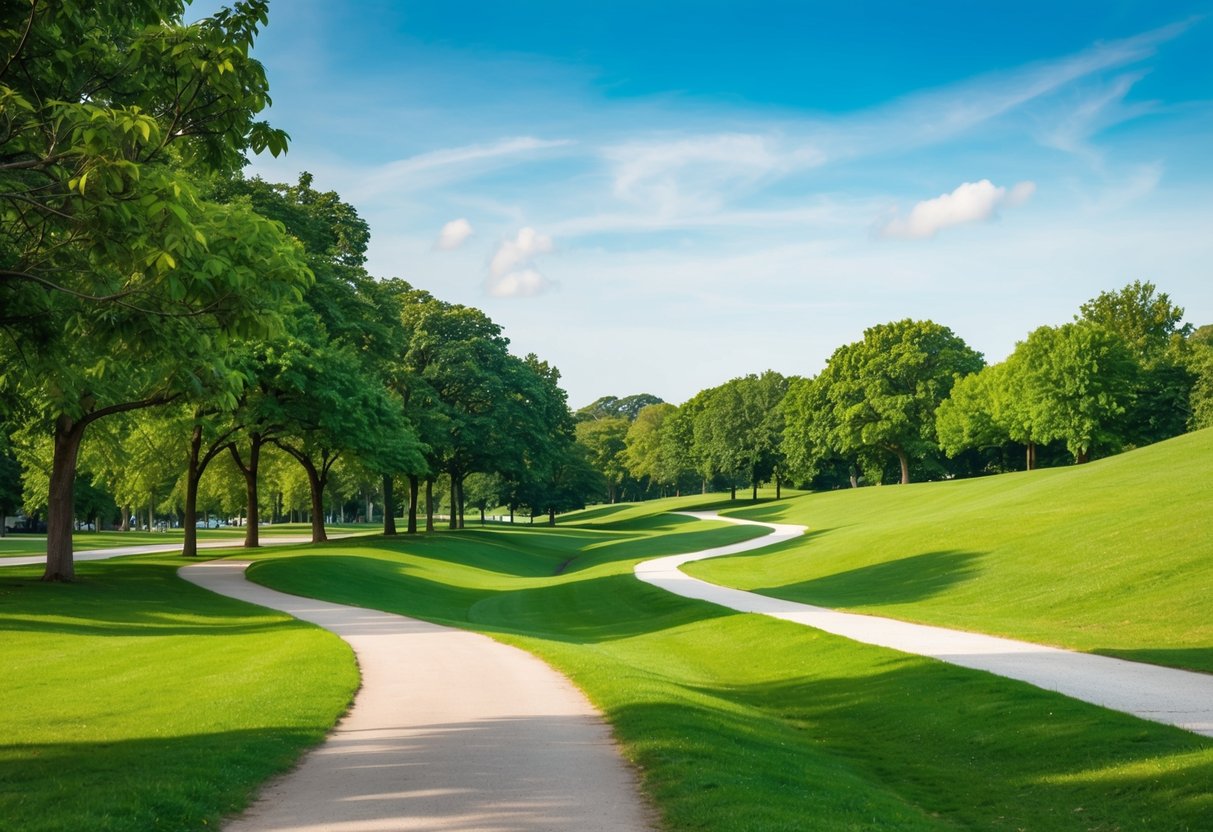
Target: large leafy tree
pixel 881 393
pixel 119 283
pixel 1072 383
pixel 604 441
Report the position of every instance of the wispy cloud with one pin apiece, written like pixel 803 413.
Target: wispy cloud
pixel 970 202
pixel 449 164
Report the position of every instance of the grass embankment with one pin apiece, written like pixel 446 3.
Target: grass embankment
pixel 1113 557
pixel 740 722
pixel 134 701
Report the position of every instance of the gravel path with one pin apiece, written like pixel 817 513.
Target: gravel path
pixel 1175 697
pixel 450 731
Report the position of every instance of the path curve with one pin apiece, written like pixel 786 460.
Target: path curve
pixel 1175 697
pixel 450 731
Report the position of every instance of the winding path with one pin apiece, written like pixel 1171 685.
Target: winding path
pixel 1175 697
pixel 450 731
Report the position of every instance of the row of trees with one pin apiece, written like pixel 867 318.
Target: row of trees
pixel 912 400
pixel 160 311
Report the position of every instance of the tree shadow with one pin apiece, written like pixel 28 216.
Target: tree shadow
pixel 905 580
pixel 592 514
pixel 125 598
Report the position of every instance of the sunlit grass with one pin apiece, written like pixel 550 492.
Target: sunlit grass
pixel 135 701
pixel 739 722
pixel 1111 557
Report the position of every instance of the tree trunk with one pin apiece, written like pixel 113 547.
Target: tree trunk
pixel 778 487
pixel 453 522
pixel 429 505
pixel 190 547
pixel 732 491
pixel 551 515
pixel 1082 457
pixel 460 503
pixel 703 486
pixel 125 526
pixel 413 488
pixel 1031 453
pixel 905 464
pixel 482 516
pixel 61 504
pixel 754 490
pixel 252 521
pixel 389 508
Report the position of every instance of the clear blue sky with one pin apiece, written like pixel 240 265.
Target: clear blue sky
pixel 660 196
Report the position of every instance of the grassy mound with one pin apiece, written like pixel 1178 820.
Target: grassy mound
pixel 1113 557
pixel 740 722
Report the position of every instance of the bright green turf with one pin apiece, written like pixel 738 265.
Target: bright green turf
pixel 21 544
pixel 135 701
pixel 740 722
pixel 1112 557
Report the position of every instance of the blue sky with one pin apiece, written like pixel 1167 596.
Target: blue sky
pixel 659 196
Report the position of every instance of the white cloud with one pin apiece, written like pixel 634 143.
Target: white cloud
pixel 970 202
pixel 511 271
pixel 453 235
pixel 522 284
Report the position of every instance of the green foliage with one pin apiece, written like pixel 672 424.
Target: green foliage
pixel 881 393
pixel 613 407
pixel 604 441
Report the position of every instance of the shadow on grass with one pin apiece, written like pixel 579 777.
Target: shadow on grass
pixel 124 598
pixel 906 580
pixel 926 733
pixel 181 782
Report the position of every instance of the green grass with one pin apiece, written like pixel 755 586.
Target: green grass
pixel 135 701
pixel 740 722
pixel 1114 557
pixel 23 544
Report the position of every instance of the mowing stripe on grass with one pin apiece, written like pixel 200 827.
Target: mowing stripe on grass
pixel 450 731
pixel 1173 697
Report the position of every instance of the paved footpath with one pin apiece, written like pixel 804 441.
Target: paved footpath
pixel 450 731
pixel 1176 697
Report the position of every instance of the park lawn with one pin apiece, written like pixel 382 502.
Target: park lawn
pixel 135 701
pixel 739 722
pixel 22 544
pixel 1113 557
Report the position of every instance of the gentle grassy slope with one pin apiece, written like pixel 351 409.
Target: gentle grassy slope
pixel 1113 557
pixel 134 701
pixel 740 722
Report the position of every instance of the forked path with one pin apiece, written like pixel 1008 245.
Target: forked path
pixel 1176 697
pixel 450 731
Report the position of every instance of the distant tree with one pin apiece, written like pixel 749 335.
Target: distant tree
pixel 1151 327
pixel 604 441
pixel 881 393
pixel 644 453
pixel 1201 365
pixel 1072 383
pixel 612 407
pixel 10 482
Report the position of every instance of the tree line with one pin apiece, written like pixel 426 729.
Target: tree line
pixel 912 401
pixel 159 311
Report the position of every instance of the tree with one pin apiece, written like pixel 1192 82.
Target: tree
pixel 604 444
pixel 1201 365
pixel 1151 327
pixel 118 281
pixel 881 393
pixel 612 407
pixel 1073 383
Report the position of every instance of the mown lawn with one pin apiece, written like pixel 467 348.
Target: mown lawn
pixel 132 700
pixel 1113 557
pixel 739 722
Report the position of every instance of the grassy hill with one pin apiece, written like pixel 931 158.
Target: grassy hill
pixel 1113 557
